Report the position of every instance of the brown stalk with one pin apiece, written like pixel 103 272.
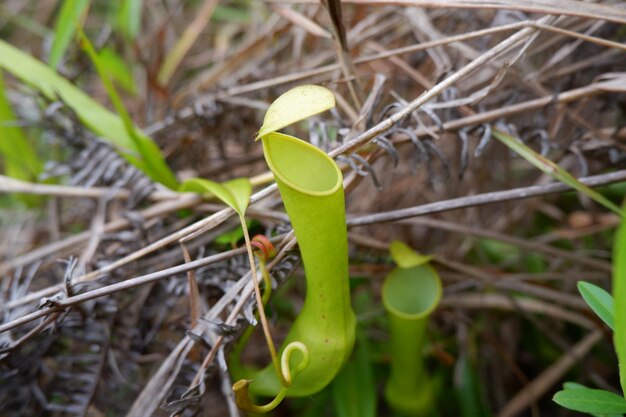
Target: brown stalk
pixel 552 7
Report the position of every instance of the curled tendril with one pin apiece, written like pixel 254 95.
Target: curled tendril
pixel 263 248
pixel 241 387
pixel 286 356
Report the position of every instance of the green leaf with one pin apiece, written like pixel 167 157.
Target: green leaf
pixel 72 11
pixel 552 169
pixel 235 193
pixel 405 256
pixel 598 300
pixel 20 159
pixel 589 400
pixel 619 295
pixel 295 105
pixel 129 18
pixel 354 389
pixel 95 116
pixel 115 67
pixel 574 385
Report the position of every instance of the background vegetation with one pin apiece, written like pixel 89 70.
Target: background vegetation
pixel 487 134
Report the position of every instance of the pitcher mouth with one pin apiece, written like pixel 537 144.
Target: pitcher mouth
pixel 301 166
pixel 412 293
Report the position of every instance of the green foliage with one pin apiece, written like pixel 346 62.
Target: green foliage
pixel 619 295
pixel 146 148
pixel 354 388
pixel 574 385
pixel 233 236
pixel 19 157
pixel 599 301
pixel 235 193
pixel 231 14
pixel 552 169
pixel 497 252
pixel 72 11
pixel 589 400
pixel 115 67
pixel 95 116
pixel 469 392
pixel 612 310
pixel 129 18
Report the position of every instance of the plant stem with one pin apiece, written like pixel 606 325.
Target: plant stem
pixel 260 304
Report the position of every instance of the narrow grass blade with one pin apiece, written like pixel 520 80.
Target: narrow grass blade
pixel 354 389
pixel 72 12
pixel 619 297
pixel 553 169
pixel 589 400
pixel 129 18
pixel 113 96
pixel 143 145
pixel 469 391
pixel 95 116
pixel 599 301
pixel 188 38
pixel 117 69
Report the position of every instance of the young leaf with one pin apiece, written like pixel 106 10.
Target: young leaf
pixel 95 116
pixel 619 296
pixel 406 257
pixel 598 300
pixel 589 400
pixel 235 193
pixel 552 169
pixel 295 105
pixel 72 11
